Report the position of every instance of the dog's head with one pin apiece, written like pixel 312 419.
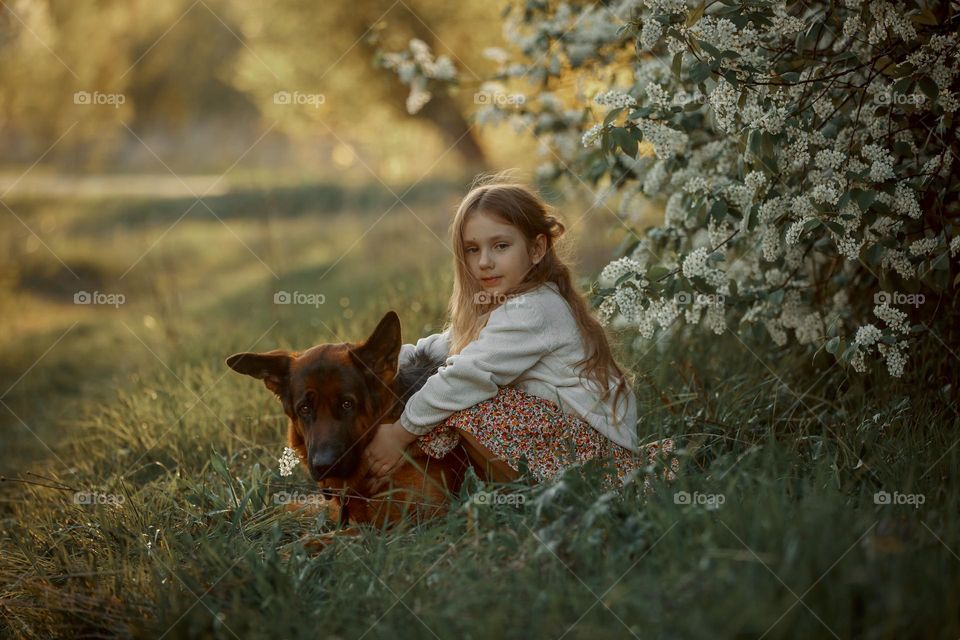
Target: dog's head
pixel 334 394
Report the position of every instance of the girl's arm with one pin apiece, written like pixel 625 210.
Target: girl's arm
pixel 436 345
pixel 514 339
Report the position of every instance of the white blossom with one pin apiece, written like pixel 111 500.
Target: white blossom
pixel 288 461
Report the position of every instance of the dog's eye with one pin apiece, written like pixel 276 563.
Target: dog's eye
pixel 347 405
pixel 304 409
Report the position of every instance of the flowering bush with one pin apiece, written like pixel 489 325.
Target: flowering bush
pixel 803 153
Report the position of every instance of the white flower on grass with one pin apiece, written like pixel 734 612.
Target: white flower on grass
pixel 288 461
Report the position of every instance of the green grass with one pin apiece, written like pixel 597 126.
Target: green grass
pixel 796 449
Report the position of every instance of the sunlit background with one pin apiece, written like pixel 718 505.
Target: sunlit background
pixel 179 163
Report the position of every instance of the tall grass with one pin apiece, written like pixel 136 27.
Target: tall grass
pixel 776 526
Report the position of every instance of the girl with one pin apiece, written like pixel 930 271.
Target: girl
pixel 518 334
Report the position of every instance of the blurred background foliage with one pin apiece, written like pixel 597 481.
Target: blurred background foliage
pixel 199 77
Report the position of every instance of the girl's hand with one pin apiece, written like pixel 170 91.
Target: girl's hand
pixel 385 451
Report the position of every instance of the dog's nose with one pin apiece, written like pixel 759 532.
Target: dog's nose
pixel 323 461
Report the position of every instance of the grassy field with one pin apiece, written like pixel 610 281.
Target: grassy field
pixel 778 525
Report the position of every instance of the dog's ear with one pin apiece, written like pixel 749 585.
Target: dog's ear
pixel 273 367
pixel 380 352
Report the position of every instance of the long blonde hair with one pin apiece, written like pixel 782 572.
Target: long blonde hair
pixel 521 207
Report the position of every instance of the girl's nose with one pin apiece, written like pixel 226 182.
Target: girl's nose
pixel 485 259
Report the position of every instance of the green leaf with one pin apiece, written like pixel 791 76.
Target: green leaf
pixel 656 272
pixel 836 227
pixel 790 76
pixel 718 210
pixel 833 344
pixel 901 85
pixel 696 14
pixel 942 262
pixel 677 65
pixel 625 141
pixel 754 142
pixel 928 86
pixel 709 48
pixel 903 69
pixel 219 465
pixel 848 352
pixel 863 197
pixel 612 116
pixel 700 72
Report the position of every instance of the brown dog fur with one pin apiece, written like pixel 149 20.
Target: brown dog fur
pixel 336 396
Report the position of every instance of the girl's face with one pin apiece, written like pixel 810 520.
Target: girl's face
pixel 496 252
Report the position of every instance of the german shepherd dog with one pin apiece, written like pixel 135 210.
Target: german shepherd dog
pixel 336 396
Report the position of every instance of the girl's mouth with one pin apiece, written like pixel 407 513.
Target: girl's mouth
pixel 493 280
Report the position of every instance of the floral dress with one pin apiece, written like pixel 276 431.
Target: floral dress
pixel 515 424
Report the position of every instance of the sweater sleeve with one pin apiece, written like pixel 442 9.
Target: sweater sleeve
pixel 513 340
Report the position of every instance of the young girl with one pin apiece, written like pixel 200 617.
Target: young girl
pixel 529 372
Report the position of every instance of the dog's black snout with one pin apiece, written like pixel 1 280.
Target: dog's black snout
pixel 323 461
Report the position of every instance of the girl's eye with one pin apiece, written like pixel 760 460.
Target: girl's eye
pixel 470 249
pixel 503 244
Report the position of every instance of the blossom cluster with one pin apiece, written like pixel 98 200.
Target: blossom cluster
pixel 416 67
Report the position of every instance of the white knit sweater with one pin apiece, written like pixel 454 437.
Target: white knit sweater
pixel 530 342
